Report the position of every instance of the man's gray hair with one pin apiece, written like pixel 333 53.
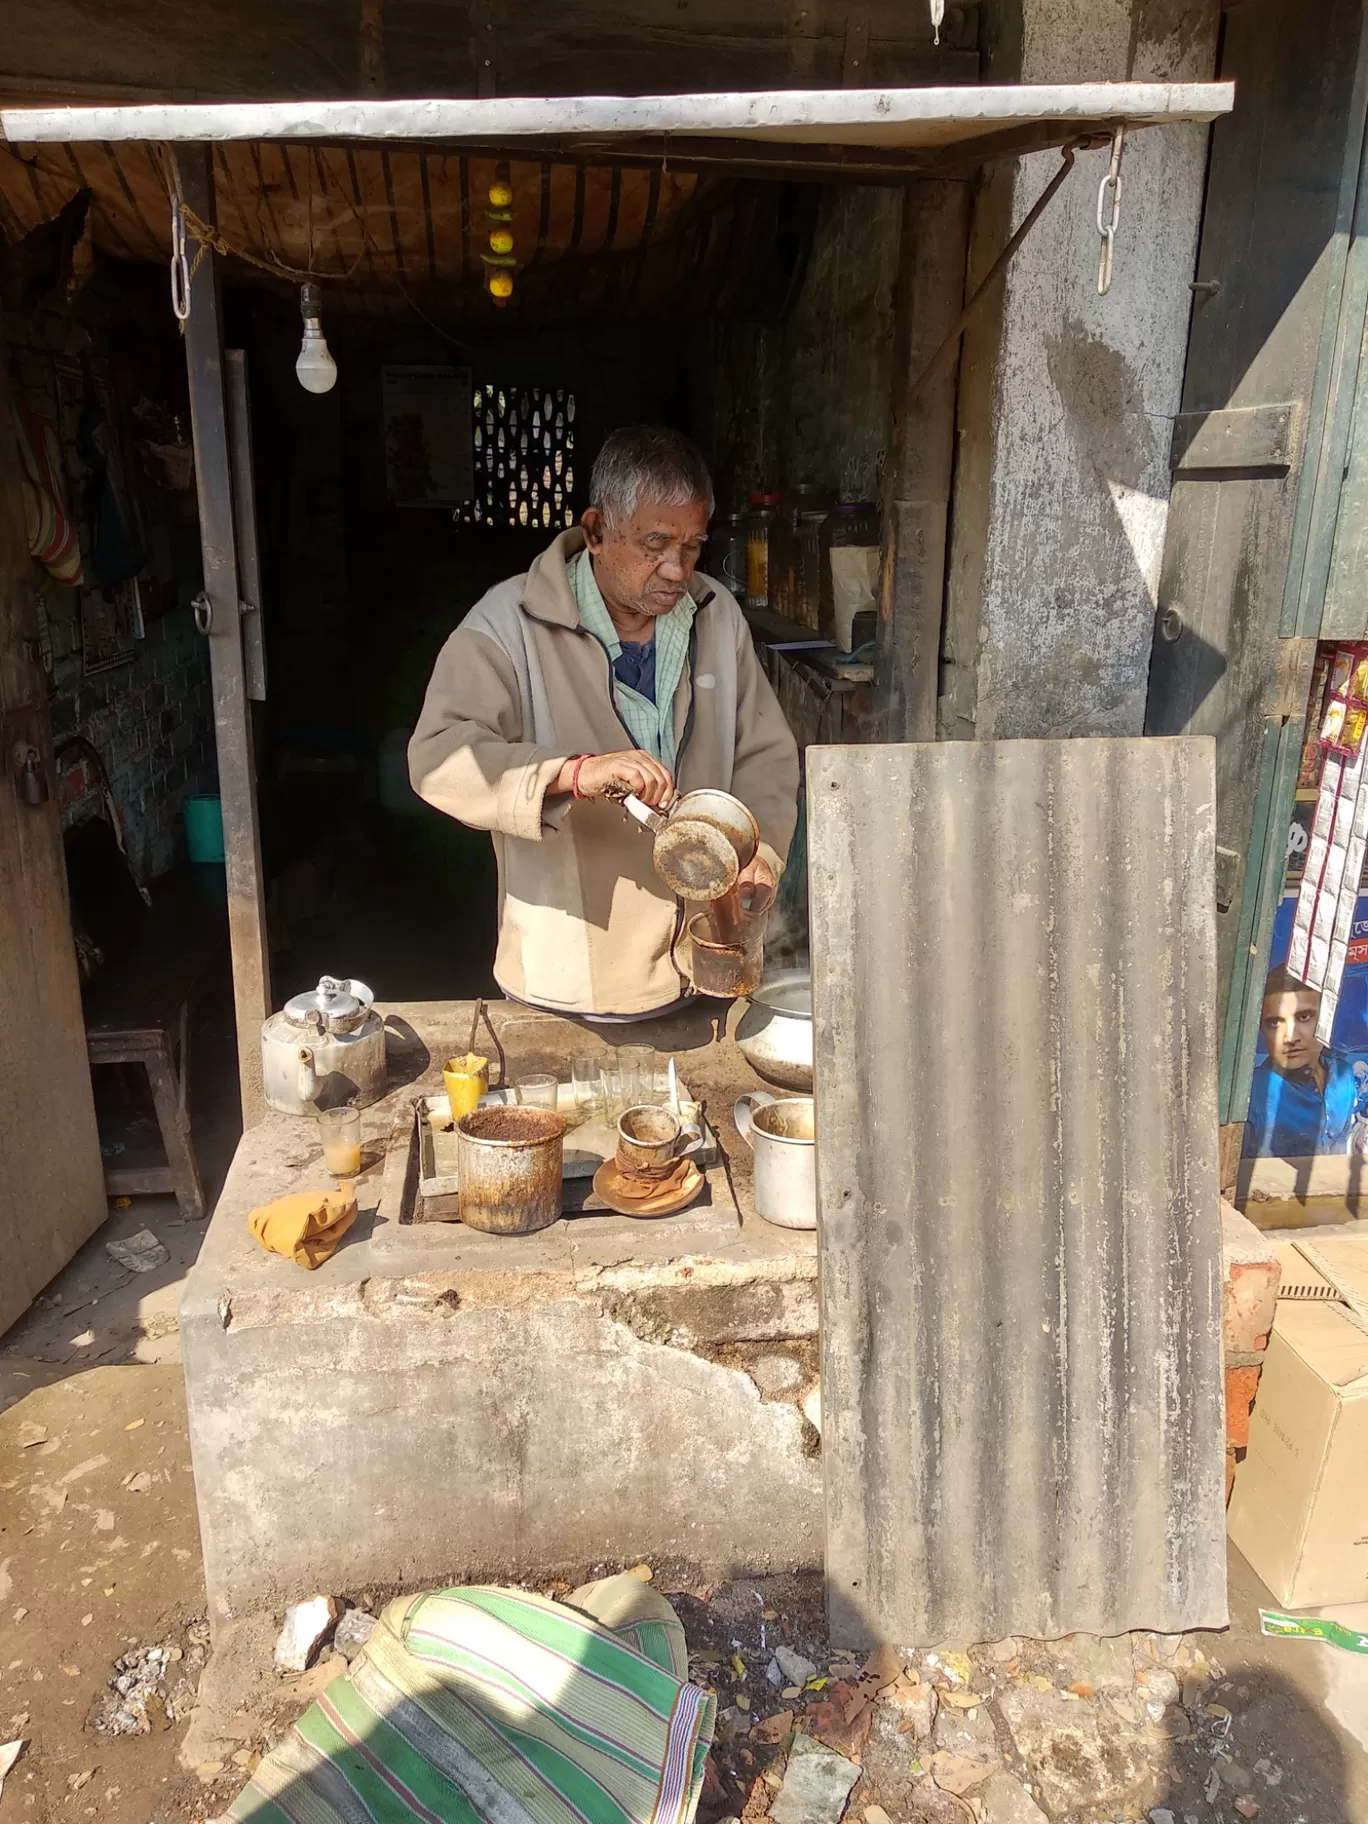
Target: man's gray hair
pixel 648 463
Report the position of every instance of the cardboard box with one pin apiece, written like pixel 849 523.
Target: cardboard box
pixel 1299 1512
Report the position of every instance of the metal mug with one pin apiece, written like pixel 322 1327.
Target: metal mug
pixel 649 1142
pixel 509 1162
pixel 781 1132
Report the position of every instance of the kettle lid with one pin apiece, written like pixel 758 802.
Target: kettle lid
pixel 332 999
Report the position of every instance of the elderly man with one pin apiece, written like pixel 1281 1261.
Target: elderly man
pixel 610 661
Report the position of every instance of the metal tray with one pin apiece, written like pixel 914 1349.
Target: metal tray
pixel 436 1192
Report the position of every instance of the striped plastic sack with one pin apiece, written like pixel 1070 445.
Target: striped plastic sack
pixel 490 1706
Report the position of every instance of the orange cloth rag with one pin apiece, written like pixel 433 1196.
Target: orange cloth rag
pixel 307 1226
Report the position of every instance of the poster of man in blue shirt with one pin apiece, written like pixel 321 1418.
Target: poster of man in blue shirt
pixel 1306 1098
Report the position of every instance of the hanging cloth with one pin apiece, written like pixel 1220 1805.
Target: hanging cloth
pixel 52 536
pixel 116 548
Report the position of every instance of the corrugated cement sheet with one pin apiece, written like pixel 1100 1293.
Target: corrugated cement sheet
pixel 1013 983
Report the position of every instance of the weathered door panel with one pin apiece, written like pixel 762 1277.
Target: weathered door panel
pixel 51 1179
pixel 1346 598
pixel 1253 447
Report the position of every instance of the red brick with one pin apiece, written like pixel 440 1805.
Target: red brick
pixel 1251 1296
pixel 1241 1384
pixel 72 784
pixel 1230 1471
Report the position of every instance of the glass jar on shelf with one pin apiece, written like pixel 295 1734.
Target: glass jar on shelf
pixel 762 541
pixel 850 580
pixel 805 512
pixel 726 553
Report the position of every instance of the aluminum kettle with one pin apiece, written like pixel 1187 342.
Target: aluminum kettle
pixel 324 1048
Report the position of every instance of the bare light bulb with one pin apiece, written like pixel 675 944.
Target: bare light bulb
pixel 315 369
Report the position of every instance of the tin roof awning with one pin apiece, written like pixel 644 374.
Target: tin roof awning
pixel 890 132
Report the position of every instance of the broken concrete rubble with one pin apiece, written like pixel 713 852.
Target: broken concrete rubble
pixel 352 1632
pixel 911 1709
pixel 1106 1664
pixel 960 1773
pixel 817 1784
pixel 307 1626
pixel 1006 1801
pixel 1072 1759
pixel 796 1669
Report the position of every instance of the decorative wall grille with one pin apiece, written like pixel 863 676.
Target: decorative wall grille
pixel 524 458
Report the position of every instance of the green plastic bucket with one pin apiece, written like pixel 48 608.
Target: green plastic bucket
pixel 204 828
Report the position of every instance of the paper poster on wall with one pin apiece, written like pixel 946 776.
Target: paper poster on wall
pixel 429 436
pixel 1309 1098
pixel 111 625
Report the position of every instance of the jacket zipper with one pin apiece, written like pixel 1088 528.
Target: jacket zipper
pixel 686 984
pixel 608 664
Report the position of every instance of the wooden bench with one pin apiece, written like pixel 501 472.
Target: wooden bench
pixel 137 1011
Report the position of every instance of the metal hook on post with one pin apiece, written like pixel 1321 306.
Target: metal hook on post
pixel 1107 220
pixel 180 266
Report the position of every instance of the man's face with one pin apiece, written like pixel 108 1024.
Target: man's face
pixel 1289 1028
pixel 645 562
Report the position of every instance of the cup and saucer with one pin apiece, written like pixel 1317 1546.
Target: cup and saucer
pixel 651 1173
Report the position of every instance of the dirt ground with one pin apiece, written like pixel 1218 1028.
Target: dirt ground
pixel 89 1569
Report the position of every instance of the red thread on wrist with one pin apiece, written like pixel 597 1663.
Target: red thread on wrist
pixel 574 776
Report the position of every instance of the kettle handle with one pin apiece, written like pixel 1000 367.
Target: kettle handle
pixel 642 812
pixel 742 1110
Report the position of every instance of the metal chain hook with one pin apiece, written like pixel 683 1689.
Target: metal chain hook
pixel 180 268
pixel 1106 223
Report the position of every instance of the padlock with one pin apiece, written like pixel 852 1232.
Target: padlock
pixel 33 785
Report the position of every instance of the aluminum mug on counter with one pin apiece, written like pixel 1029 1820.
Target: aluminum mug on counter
pixel 782 1134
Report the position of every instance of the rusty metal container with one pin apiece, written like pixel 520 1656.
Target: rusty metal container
pixel 728 970
pixel 509 1161
pixel 727 942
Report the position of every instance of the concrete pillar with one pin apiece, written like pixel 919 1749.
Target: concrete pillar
pixel 1067 398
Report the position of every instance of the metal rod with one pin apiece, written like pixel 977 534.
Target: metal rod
pixel 945 354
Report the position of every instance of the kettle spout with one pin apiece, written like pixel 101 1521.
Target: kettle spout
pixel 307 1081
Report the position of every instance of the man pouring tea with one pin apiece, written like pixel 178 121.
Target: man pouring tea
pixel 612 663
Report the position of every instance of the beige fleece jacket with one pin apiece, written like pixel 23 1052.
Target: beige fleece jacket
pixel 585 923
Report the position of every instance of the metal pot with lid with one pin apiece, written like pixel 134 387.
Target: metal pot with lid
pixel 775 1032
pixel 324 1048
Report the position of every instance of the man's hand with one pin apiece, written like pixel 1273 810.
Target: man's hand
pixel 608 775
pixel 757 871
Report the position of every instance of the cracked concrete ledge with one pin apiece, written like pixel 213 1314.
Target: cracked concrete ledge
pixel 493 1443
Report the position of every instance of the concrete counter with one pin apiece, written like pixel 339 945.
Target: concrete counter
pixel 436 1404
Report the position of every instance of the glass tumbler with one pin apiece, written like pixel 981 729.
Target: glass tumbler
pixel 340 1131
pixel 638 1075
pixel 536 1091
pixel 584 1078
pixel 610 1083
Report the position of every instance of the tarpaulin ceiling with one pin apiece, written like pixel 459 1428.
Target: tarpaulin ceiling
pixel 355 213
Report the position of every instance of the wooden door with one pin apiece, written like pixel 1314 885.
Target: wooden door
pixel 51 1180
pixel 1258 451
